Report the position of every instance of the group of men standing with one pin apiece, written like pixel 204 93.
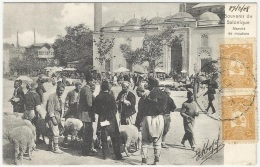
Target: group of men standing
pixel 153 115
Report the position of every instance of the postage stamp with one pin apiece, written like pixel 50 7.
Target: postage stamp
pixel 237 66
pixel 238 114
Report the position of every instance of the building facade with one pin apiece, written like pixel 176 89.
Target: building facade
pixel 10 52
pixel 195 40
pixel 43 51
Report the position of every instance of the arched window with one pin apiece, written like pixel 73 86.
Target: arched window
pixel 204 40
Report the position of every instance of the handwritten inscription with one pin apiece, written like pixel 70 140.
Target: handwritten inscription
pixel 209 149
pixel 240 8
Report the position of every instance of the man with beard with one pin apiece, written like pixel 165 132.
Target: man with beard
pixel 126 104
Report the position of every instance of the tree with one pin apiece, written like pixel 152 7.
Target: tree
pixel 77 44
pixel 104 45
pixel 132 56
pixel 151 50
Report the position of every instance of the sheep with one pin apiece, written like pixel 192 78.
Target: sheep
pixel 73 127
pixel 129 134
pixel 10 122
pixel 22 138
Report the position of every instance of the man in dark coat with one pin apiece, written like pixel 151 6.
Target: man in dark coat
pixel 167 116
pixel 126 104
pixel 86 115
pixel 105 106
pixel 212 85
pixel 40 89
pixel 18 97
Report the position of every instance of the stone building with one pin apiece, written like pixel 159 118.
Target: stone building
pixel 199 38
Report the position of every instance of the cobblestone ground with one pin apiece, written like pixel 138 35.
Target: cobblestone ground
pixel 205 129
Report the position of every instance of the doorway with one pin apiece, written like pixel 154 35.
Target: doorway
pixel 176 56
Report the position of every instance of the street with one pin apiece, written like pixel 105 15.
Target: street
pixel 205 129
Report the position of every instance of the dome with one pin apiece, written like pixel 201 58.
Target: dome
pixel 209 16
pixel 167 17
pixel 182 15
pixel 133 22
pixel 156 20
pixel 114 23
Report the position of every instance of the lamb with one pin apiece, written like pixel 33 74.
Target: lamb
pixel 22 138
pixel 129 134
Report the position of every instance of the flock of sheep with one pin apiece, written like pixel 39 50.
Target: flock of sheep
pixel 22 134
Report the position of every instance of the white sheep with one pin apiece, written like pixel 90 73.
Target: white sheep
pixel 10 122
pixel 73 127
pixel 22 138
pixel 129 134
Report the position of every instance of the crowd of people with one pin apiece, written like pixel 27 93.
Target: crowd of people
pixel 152 114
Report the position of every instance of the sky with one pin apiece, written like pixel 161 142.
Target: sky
pixel 50 19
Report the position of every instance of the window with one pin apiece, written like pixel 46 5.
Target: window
pixel 204 40
pixel 107 65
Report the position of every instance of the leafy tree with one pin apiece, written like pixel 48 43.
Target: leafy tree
pixel 104 45
pixel 132 56
pixel 77 44
pixel 152 47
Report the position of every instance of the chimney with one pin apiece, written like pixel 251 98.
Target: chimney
pixel 17 41
pixel 34 41
pixel 97 16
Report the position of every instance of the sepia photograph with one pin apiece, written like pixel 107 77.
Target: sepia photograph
pixel 127 83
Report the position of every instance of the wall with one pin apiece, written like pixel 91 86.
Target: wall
pixel 215 38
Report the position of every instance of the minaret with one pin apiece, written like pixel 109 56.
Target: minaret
pixel 97 16
pixel 17 42
pixel 34 42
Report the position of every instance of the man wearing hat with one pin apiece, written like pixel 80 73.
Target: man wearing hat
pixel 32 103
pixel 189 112
pixel 53 117
pixel 167 118
pixel 126 104
pixel 72 101
pixel 18 97
pixel 40 88
pixel 212 85
pixel 153 122
pixel 86 115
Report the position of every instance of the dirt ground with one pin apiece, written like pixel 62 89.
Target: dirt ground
pixel 205 129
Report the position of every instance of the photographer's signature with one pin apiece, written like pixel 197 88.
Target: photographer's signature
pixel 209 149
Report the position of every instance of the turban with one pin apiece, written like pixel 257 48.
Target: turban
pixel 153 82
pixel 126 83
